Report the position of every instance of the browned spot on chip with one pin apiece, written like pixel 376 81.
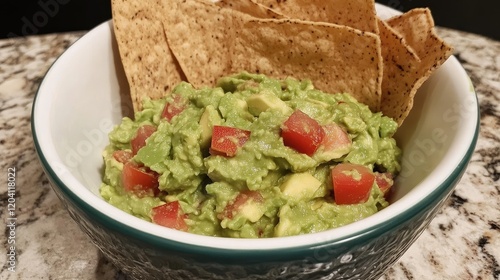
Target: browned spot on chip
pixel 149 65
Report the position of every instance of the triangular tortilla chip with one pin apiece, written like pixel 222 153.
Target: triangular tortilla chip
pixel 417 29
pixel 149 65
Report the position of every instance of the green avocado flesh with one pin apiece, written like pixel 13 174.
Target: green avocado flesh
pixel 295 190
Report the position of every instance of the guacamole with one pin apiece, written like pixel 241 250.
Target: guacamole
pixel 253 157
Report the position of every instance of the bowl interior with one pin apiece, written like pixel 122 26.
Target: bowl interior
pixel 85 93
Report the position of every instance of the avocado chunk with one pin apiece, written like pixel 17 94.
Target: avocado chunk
pixel 209 118
pixel 286 226
pixel 327 155
pixel 300 186
pixel 262 102
pixel 252 211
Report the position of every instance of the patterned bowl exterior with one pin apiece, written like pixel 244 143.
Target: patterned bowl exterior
pixel 365 256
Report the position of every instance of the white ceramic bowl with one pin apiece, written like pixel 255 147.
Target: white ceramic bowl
pixel 85 93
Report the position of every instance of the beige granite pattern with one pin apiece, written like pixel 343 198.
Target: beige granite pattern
pixel 462 242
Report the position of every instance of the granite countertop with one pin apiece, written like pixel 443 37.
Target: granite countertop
pixel 462 242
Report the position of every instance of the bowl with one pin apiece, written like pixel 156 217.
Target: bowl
pixel 85 93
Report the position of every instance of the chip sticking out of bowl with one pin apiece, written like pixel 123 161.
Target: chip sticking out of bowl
pixel 149 65
pixel 340 45
pixel 400 65
pixel 415 29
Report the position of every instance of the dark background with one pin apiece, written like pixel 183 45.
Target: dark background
pixel 29 17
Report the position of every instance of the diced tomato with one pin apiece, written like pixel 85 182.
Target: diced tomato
pixel 122 156
pixel 169 215
pixel 302 133
pixel 352 183
pixel 335 138
pixel 242 198
pixel 142 134
pixel 384 181
pixel 139 180
pixel 174 108
pixel 227 140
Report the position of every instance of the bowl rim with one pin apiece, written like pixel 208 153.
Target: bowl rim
pixel 117 220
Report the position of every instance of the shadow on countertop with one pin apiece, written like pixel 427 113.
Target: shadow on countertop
pixel 29 17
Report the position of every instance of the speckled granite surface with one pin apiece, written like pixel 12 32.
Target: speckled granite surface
pixel 463 241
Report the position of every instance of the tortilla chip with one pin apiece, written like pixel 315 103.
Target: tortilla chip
pixel 417 29
pixel 149 65
pixel 359 14
pixel 250 7
pixel 401 64
pixel 335 58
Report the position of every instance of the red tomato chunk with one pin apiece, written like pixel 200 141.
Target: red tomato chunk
pixel 139 180
pixel 122 156
pixel 384 181
pixel 139 140
pixel 352 183
pixel 335 138
pixel 169 215
pixel 174 108
pixel 242 198
pixel 302 133
pixel 227 140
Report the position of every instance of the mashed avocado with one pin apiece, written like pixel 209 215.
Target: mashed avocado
pixel 254 184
